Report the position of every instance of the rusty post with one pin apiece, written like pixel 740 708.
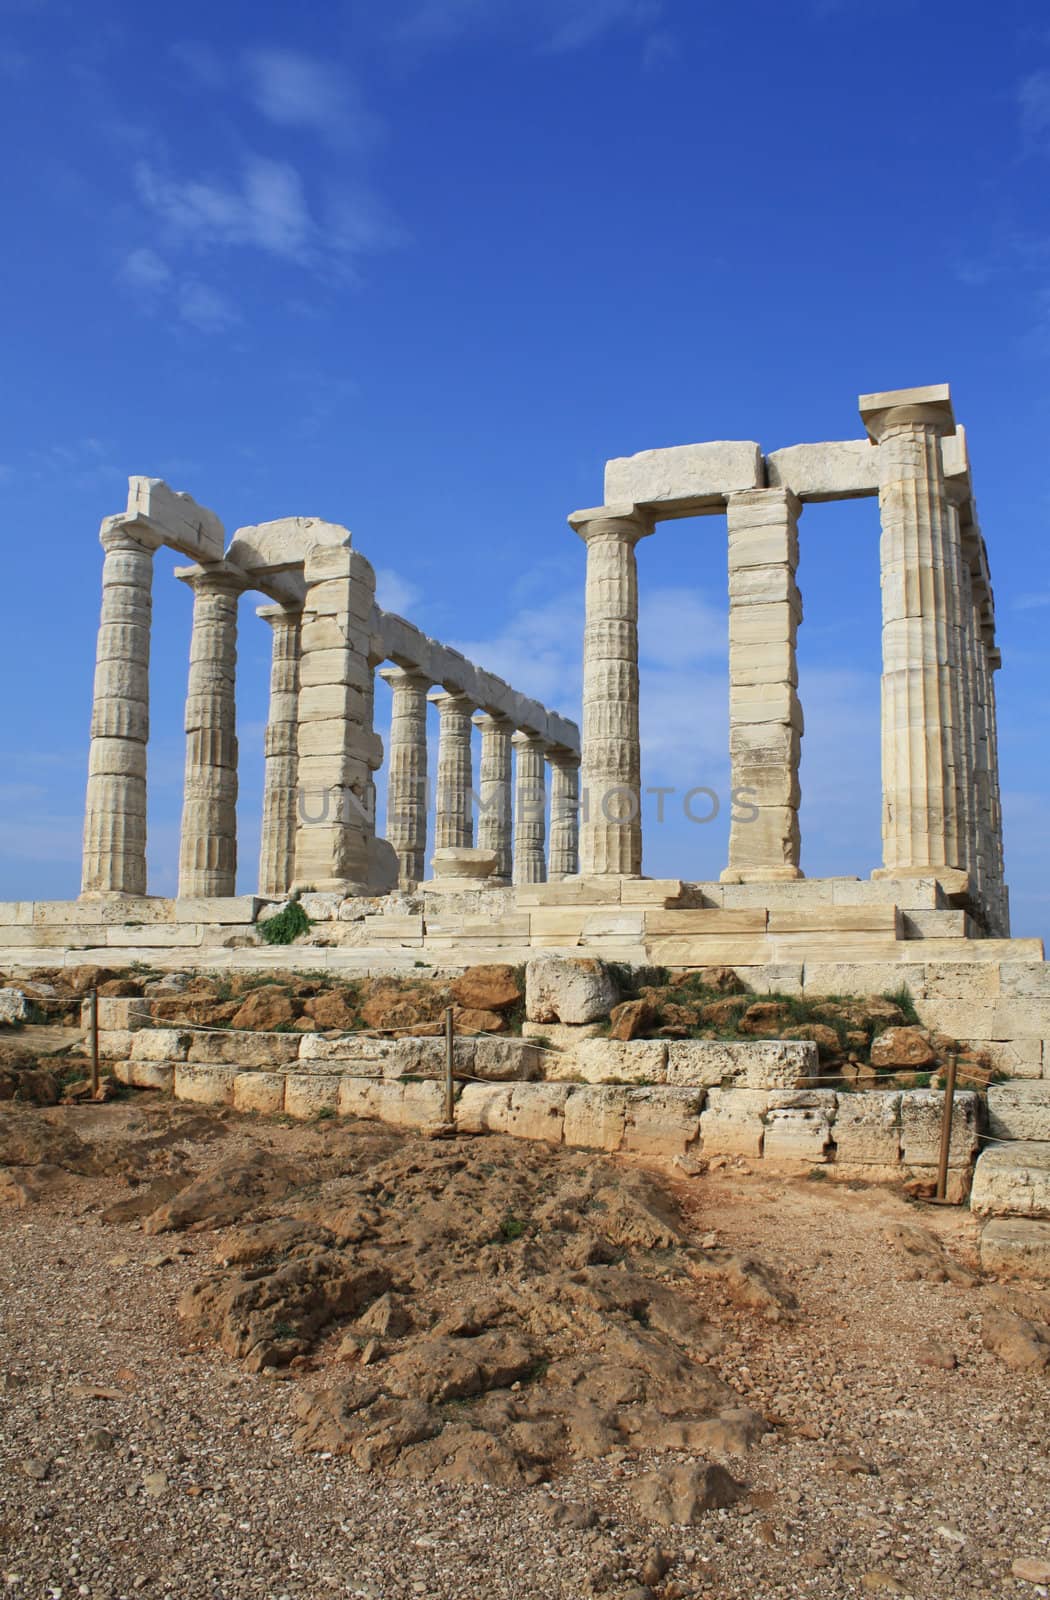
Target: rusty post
pixel 94 1044
pixel 450 1042
pixel 946 1127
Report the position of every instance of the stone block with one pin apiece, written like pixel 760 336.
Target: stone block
pixel 922 1112
pixel 360 1097
pixel 126 1015
pixel 559 1036
pixel 708 922
pixel 226 909
pixel 846 469
pixel 619 1061
pixel 1016 1247
pixel 537 1111
pixel 259 1092
pixel 687 479
pixel 320 1053
pixel 957 980
pixel 1014 1058
pixel 503 1060
pixel 1025 978
pixel 1012 1180
pixel 913 894
pixel 146 1075
pixel 15 912
pixel 860 978
pixel 422 1105
pixel 595 1118
pixel 160 1044
pixel 484 1108
pixel 774 978
pixel 307 1094
pixel 868 1129
pixel 560 989
pixel 248 1051
pixel 733 1122
pixel 114 1044
pixel 796 1134
pixel 155 936
pixel 204 1086
pixel 836 919
pixel 662 1123
pixel 1019 1110
pixel 749 1064
pixel 174 519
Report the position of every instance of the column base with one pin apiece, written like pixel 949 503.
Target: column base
pixel 779 874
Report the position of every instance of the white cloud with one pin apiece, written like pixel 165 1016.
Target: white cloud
pixel 395 593
pixel 583 21
pixel 295 91
pixel 267 209
pixel 143 269
pixel 677 626
pixel 1030 602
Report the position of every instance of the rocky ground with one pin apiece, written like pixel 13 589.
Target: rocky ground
pixel 245 1358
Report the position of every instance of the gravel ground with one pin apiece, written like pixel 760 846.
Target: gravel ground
pixel 132 1464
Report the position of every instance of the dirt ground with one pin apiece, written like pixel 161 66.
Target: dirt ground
pixel 138 1457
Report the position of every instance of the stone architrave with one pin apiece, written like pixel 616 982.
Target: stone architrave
pixel 338 748
pixel 277 847
pixel 495 811
pixel 208 849
pixel 611 826
pixel 920 695
pixel 115 811
pixel 564 848
pixel 765 717
pixel 530 809
pixel 454 808
pixel 406 803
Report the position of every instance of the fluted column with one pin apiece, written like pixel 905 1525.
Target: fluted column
pixel 564 848
pixel 611 831
pixel 999 903
pixel 765 717
pixel 277 848
pixel 495 811
pixel 454 814
pixel 208 851
pixel 530 809
pixel 920 665
pixel 115 810
pixel 406 800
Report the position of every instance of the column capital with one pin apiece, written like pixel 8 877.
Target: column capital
pixel 493 720
pixel 522 738
pixel 219 578
pixel 930 406
pixel 126 533
pixel 398 677
pixel 559 756
pixel 624 522
pixel 280 615
pixel 445 701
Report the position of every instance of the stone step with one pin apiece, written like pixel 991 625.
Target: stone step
pixel 1012 1180
pixel 1019 1110
pixel 1016 1245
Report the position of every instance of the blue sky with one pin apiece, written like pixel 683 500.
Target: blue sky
pixel 420 268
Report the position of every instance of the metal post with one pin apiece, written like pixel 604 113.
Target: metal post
pixel 94 1044
pixel 450 1039
pixel 946 1127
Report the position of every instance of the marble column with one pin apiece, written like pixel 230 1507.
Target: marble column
pixel 611 830
pixel 335 843
pixel 920 667
pixel 564 847
pixel 406 800
pixel 999 895
pixel 765 717
pixel 208 850
pixel 495 811
pixel 277 848
pixel 114 859
pixel 454 813
pixel 530 808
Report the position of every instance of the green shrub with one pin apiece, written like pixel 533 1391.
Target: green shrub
pixel 902 997
pixel 287 925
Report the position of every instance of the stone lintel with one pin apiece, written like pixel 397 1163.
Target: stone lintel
pixel 929 403
pixel 176 519
pixel 685 480
pixel 593 518
pixel 232 575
